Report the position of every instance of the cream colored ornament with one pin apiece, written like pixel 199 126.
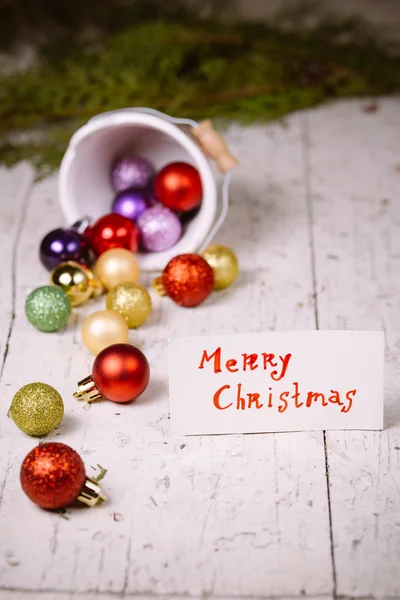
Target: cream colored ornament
pixel 116 266
pixel 102 329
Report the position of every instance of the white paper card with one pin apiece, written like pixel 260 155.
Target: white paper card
pixel 269 382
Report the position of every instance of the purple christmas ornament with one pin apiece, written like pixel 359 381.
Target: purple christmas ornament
pixel 131 203
pixel 159 228
pixel 61 245
pixel 131 172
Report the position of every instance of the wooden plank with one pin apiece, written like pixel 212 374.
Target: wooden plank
pixel 355 189
pixel 54 595
pixel 14 186
pixel 216 516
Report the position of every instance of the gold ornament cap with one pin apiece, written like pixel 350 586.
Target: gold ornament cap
pixel 96 287
pixel 87 390
pixel 159 287
pixel 91 493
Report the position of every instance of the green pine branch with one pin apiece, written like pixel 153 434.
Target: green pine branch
pixel 247 72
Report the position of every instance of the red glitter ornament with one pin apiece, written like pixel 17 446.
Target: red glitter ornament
pixel 178 186
pixel 113 231
pixel 120 373
pixel 53 475
pixel 188 279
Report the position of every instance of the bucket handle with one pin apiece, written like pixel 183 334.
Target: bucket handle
pixel 193 124
pixel 222 214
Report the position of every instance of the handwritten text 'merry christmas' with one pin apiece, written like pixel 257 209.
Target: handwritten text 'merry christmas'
pixel 277 368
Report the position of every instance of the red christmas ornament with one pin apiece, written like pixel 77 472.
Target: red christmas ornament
pixel 87 233
pixel 113 231
pixel 53 475
pixel 120 373
pixel 187 279
pixel 178 186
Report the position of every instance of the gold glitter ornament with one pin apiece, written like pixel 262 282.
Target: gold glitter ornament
pixel 77 281
pixel 132 301
pixel 224 263
pixel 36 409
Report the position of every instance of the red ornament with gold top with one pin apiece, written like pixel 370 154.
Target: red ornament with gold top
pixel 187 279
pixel 120 373
pixel 53 476
pixel 178 186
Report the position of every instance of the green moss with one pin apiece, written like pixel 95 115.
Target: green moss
pixel 246 72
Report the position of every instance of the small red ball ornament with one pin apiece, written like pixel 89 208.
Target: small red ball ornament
pixel 113 231
pixel 120 373
pixel 53 475
pixel 178 186
pixel 187 279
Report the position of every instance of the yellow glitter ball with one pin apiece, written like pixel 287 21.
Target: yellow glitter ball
pixel 224 263
pixel 37 409
pixel 132 301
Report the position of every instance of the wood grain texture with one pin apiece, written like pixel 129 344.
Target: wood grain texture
pixel 227 516
pixel 26 595
pixel 354 166
pixel 15 186
pixel 314 208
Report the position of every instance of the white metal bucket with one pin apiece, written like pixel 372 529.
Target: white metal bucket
pixel 85 187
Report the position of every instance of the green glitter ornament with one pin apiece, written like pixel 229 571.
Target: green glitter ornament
pixel 48 308
pixel 36 409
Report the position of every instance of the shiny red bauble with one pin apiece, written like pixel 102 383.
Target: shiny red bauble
pixel 113 231
pixel 178 186
pixel 188 279
pixel 52 475
pixel 121 372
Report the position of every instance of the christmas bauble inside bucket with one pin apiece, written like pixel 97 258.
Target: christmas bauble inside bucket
pixel 85 186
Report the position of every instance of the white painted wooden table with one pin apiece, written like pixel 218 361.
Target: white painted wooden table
pixel 315 220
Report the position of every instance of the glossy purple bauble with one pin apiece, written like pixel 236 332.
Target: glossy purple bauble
pixel 159 228
pixel 131 203
pixel 131 172
pixel 61 245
